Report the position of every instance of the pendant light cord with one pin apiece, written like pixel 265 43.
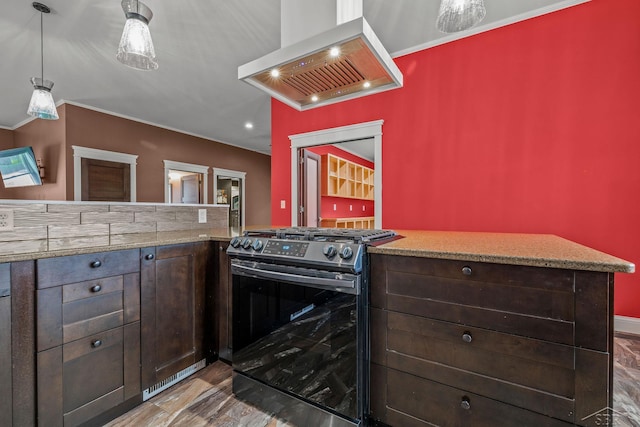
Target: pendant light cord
pixel 41 52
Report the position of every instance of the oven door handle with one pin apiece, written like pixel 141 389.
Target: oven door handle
pixel 348 286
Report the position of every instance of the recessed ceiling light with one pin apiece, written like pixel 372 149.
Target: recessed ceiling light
pixel 314 98
pixel 248 125
pixel 335 51
pixel 275 72
pixel 366 85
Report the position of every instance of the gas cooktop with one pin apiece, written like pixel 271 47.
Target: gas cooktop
pixel 324 234
pixel 331 248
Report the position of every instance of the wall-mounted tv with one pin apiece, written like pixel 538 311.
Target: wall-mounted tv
pixel 19 168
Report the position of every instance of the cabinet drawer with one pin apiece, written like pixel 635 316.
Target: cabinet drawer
pixel 528 301
pixel 521 371
pixel 416 401
pixel 85 317
pixel 77 310
pixel 77 268
pixel 92 367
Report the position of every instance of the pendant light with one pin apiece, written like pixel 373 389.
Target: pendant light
pixel 42 105
pixel 459 15
pixel 136 48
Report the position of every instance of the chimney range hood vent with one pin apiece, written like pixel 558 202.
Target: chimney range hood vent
pixel 345 62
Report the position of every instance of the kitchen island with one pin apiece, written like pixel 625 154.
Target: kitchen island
pixel 491 329
pixel 499 327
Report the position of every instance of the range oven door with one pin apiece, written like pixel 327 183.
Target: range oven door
pixel 298 330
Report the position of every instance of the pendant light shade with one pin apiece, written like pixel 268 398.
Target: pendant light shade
pixel 41 104
pixel 136 47
pixel 459 15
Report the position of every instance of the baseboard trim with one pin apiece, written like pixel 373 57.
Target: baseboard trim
pixel 630 325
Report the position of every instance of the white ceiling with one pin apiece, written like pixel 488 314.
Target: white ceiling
pixel 199 46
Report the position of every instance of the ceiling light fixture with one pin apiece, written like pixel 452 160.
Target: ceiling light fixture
pixel 459 15
pixel 136 47
pixel 41 104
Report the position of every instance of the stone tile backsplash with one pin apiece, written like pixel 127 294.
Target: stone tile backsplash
pixel 49 226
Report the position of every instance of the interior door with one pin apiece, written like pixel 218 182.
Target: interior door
pixel 191 188
pixel 309 188
pixel 105 181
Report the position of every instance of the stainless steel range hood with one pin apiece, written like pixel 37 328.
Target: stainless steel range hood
pixel 342 62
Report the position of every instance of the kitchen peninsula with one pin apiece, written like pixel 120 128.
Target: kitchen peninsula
pixel 497 328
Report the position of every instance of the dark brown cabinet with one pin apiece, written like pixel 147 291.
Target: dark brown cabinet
pixel 173 329
pixel 87 335
pixel 223 302
pixel 6 403
pixel 465 343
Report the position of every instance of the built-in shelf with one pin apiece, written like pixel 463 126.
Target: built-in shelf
pixel 343 178
pixel 355 222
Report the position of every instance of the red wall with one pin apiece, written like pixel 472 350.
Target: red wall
pixel 344 208
pixel 529 128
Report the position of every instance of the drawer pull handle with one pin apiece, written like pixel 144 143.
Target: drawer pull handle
pixel 96 343
pixel 96 288
pixel 466 337
pixel 96 264
pixel 465 403
pixel 149 257
pixel 466 270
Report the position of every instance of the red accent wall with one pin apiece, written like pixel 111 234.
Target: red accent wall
pixel 344 208
pixel 529 128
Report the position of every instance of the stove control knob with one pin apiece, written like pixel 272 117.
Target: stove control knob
pixel 235 242
pixel 346 252
pixel 329 251
pixel 257 245
pixel 246 243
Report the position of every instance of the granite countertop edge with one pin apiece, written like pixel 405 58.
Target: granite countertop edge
pixel 537 250
pixel 621 267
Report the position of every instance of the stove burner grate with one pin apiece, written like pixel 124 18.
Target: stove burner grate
pixel 324 234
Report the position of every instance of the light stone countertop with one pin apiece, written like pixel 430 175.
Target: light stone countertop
pixel 161 239
pixel 538 250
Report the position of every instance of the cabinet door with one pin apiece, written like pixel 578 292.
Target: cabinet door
pixel 223 302
pixel 173 282
pixel 5 346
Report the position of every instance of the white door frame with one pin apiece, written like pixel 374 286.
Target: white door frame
pixel 336 135
pixel 80 153
pixel 187 167
pixel 231 174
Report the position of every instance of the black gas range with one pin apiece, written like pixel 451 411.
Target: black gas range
pixel 330 248
pixel 300 322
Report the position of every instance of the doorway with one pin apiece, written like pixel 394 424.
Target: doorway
pixel 185 187
pixel 185 183
pixel 229 189
pixel 371 131
pixel 310 190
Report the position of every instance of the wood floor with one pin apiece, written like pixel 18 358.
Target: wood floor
pixel 205 399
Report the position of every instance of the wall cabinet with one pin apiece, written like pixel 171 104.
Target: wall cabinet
pixel 342 178
pixel 87 335
pixel 466 343
pixel 173 289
